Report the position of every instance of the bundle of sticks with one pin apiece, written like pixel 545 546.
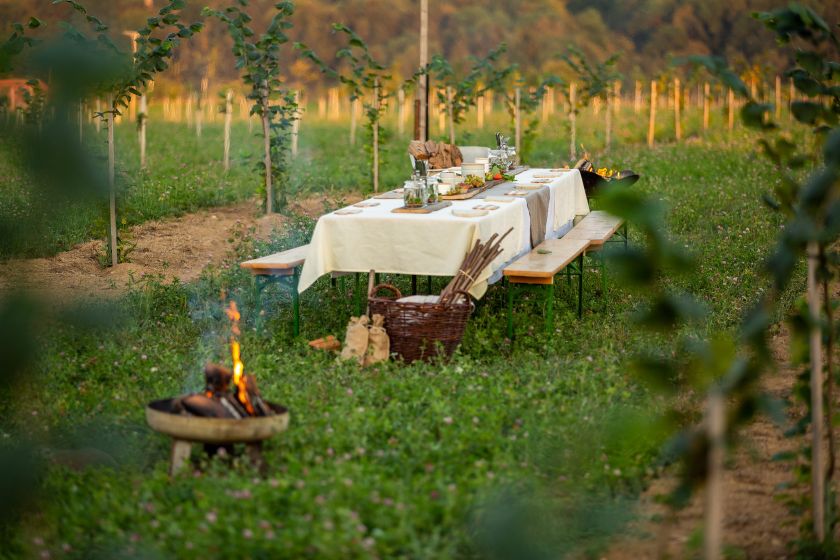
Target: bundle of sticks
pixel 223 399
pixel 478 258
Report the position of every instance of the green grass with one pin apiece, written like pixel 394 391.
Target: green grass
pixel 420 461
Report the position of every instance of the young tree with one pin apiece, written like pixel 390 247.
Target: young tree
pixel 128 74
pixel 259 58
pixel 461 94
pixel 595 81
pixel 368 80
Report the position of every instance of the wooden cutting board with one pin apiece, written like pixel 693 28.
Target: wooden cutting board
pixel 488 185
pixel 424 210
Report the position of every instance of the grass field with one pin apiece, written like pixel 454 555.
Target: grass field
pixel 426 461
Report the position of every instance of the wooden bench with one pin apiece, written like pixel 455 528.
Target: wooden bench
pixel 549 258
pixel 285 266
pixel 599 227
pixel 540 266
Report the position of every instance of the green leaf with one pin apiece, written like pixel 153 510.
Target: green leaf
pixel 33 23
pixel 806 112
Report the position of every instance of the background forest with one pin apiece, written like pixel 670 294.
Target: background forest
pixel 646 33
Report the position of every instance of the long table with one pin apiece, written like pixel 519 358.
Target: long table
pixel 435 244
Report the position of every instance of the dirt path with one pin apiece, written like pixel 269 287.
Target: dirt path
pixel 175 248
pixel 755 521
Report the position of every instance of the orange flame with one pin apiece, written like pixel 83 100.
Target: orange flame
pixel 238 366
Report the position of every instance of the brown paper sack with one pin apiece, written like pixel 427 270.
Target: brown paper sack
pixel 379 346
pixel 356 339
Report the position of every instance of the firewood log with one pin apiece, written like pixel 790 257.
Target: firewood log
pixel 200 405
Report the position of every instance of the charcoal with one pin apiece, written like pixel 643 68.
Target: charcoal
pixel 200 405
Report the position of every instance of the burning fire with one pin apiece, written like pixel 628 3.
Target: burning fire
pixel 238 367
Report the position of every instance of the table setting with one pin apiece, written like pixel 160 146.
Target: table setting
pixel 413 230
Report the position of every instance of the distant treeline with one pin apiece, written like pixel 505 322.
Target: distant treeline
pixel 647 33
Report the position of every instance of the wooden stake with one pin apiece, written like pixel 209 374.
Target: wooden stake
pixel 730 100
pixel 423 90
pixel 517 121
pixel 716 429
pixel 228 120
pixel 791 98
pixel 609 104
pixel 677 124
pixel 376 137
pixel 778 98
pixel 143 116
pixel 450 113
pixel 817 419
pixel 112 189
pixel 353 122
pixel 705 106
pixel 637 102
pixel 652 120
pixel 97 121
pixel 269 192
pixel 401 111
pixel 572 123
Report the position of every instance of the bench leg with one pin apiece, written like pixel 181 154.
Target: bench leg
pixel 414 284
pixel 510 288
pixel 293 288
pixel 549 307
pixel 429 285
pixel 580 286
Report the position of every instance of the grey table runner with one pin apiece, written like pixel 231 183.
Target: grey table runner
pixel 537 202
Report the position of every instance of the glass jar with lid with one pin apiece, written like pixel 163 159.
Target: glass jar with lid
pixel 414 193
pixel 432 192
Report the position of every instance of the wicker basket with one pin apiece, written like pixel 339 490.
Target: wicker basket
pixel 421 331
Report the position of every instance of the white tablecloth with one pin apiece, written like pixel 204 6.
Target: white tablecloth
pixel 435 244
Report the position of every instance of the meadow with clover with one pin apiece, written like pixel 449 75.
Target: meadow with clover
pixel 578 442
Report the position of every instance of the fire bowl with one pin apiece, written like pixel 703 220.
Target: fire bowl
pixel 199 429
pixel 187 430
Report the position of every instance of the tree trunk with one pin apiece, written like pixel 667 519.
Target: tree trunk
pixel 450 112
pixel 376 137
pixel 112 190
pixel 817 418
pixel 228 119
pixel 423 90
pixel 572 124
pixel 141 131
pixel 266 126
pixel 517 125
pixel 609 107
pixel 716 428
pixel 296 124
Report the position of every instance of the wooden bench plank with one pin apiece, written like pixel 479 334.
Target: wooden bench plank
pixel 597 227
pixel 282 263
pixel 537 264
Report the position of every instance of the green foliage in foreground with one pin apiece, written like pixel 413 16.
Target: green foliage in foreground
pixel 496 449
